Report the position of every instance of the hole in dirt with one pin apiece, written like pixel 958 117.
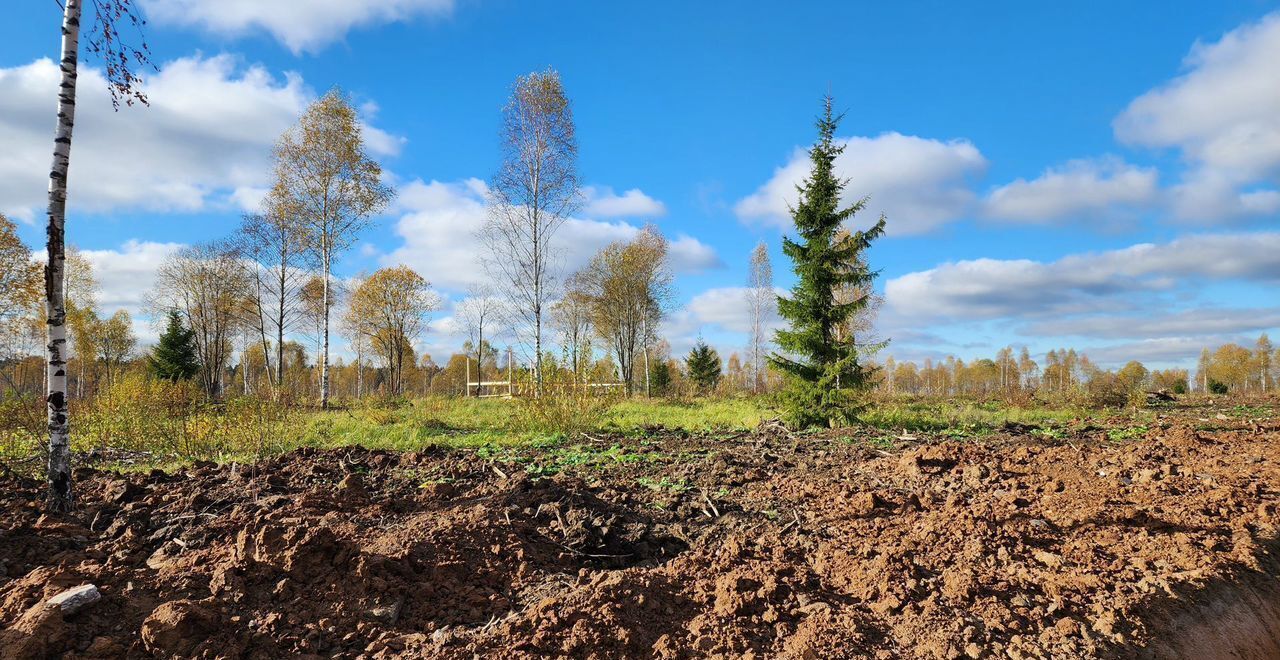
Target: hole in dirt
pixel 574 527
pixel 594 533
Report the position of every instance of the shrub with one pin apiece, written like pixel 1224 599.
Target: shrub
pixel 172 420
pixel 1107 390
pixel 570 413
pixel 22 431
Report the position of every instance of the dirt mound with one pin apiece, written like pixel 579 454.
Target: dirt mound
pixel 757 546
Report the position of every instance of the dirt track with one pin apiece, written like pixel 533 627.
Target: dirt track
pixel 756 545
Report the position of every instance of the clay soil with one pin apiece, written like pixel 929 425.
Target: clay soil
pixel 753 545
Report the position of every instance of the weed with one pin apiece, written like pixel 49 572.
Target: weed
pixel 883 442
pixel 1049 432
pixel 1126 433
pixel 665 484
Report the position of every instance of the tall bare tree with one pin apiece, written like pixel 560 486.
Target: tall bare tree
pixel 316 302
pixel 328 185
pixel 350 327
pixel 276 246
pixel 761 300
pixel 392 306
pixel 534 190
pixel 207 285
pixel 479 311
pixel 571 317
pixel 120 61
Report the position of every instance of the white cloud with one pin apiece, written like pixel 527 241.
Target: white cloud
pixel 918 183
pixel 1223 115
pixel 441 221
pixel 715 312
pixel 690 255
pixel 439 232
pixel 204 141
pixel 988 289
pixel 724 307
pixel 126 275
pixel 1193 322
pixel 1081 189
pixel 301 26
pixel 602 202
pixel 1207 194
pixel 1168 350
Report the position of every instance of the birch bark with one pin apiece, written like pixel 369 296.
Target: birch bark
pixel 59 475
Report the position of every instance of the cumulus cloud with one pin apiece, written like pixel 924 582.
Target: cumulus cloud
pixel 300 26
pixel 1080 189
pixel 919 183
pixel 126 275
pixel 991 288
pixel 441 220
pixel 204 141
pixel 716 311
pixel 602 202
pixel 1223 115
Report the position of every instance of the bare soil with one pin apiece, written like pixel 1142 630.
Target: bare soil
pixel 754 545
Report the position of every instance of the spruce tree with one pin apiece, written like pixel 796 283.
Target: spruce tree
pixel 703 363
pixel 174 357
pixel 822 370
pixel 660 378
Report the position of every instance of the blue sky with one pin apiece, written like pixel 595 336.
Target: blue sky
pixel 1020 150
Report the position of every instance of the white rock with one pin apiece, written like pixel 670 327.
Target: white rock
pixel 75 598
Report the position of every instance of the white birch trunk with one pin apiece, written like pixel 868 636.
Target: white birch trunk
pixel 324 359
pixel 59 474
pixel 648 393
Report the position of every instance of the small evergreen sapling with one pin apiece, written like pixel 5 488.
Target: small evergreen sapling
pixel 175 358
pixel 703 363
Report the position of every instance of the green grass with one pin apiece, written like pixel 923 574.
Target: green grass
pixel 963 419
pixel 497 429
pixel 1123 434
pixel 665 485
pixel 469 423
pixel 738 414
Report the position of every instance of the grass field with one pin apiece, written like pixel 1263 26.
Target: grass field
pixel 136 437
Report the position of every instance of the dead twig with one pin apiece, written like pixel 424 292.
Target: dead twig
pixel 711 504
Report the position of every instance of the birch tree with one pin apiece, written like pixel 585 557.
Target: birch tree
pixel 327 184
pixel 19 288
pixel 120 60
pixel 207 285
pixel 391 307
pixel 317 300
pixel 276 248
pixel 479 311
pixel 80 298
pixel 760 300
pixel 629 287
pixel 534 190
pixel 571 317
pixel 351 331
pixel 115 342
